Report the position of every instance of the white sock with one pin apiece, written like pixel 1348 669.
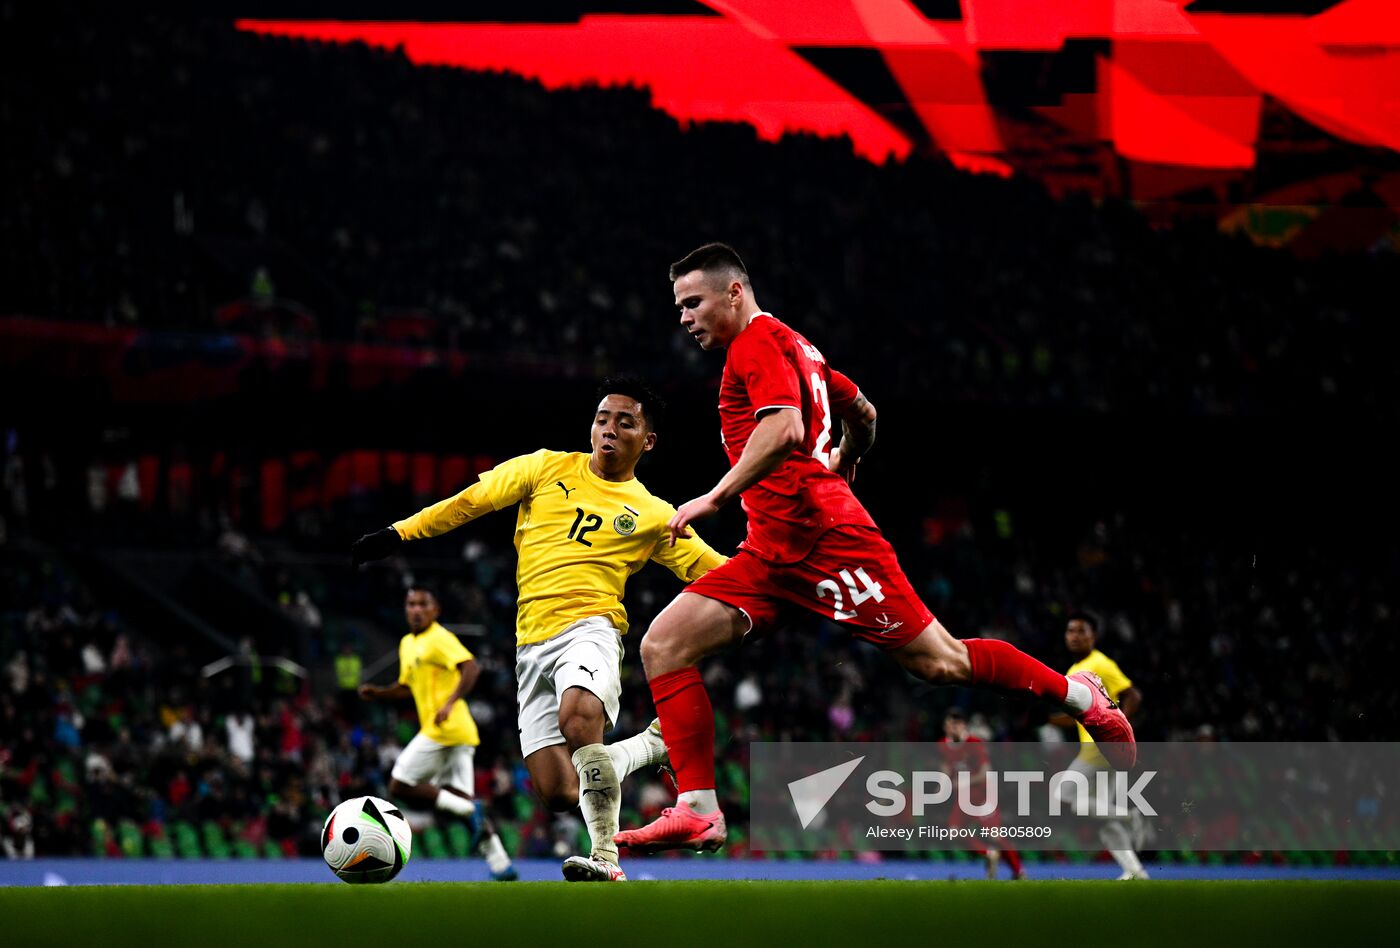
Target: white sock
pixel 449 801
pixel 1078 697
pixel 646 749
pixel 599 797
pixel 701 801
pixel 1115 838
pixel 495 853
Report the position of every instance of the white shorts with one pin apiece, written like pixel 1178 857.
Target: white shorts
pixel 424 760
pixel 588 655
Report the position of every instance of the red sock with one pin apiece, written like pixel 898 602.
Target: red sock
pixel 1013 859
pixel 687 726
pixel 998 664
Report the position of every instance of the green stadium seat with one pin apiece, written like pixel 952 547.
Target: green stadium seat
pixel 158 843
pixel 431 843
pixel 215 844
pixel 510 839
pixel 100 834
pixel 459 840
pixel 129 839
pixel 270 850
pixel 186 841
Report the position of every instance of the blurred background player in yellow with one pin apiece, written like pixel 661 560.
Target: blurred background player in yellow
pixel 584 525
pixel 1119 833
pixel 437 768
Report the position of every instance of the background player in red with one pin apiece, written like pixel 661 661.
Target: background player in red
pixel 810 545
pixel 963 750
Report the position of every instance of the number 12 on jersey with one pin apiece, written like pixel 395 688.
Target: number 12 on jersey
pixel 869 589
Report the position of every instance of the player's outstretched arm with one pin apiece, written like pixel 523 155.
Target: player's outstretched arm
pixel 375 546
pixel 394 692
pixel 774 438
pixel 431 521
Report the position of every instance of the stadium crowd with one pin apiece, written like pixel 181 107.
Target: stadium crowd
pixel 101 725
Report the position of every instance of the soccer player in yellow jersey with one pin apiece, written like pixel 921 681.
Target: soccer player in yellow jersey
pixel 436 769
pixel 1081 634
pixel 583 525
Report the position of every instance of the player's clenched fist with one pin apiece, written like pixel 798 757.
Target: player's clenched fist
pixel 843 464
pixel 374 546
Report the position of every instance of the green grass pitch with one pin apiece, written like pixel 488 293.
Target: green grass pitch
pixel 667 914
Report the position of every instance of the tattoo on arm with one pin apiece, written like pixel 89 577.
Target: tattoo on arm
pixel 859 428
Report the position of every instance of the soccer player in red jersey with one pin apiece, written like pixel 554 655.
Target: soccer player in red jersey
pixel 963 750
pixel 810 545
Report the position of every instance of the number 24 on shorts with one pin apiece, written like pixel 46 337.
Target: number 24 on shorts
pixel 868 589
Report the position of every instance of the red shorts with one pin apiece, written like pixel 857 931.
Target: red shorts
pixel 851 576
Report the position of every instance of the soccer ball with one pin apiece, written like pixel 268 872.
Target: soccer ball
pixel 366 839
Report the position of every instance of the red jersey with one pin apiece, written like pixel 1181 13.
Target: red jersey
pixel 769 365
pixel 964 755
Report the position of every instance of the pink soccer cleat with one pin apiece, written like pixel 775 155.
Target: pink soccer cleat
pixel 679 827
pixel 1107 725
pixel 592 869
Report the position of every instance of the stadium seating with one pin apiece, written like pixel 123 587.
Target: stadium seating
pixel 429 843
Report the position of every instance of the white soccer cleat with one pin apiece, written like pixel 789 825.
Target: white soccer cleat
pixel 1130 876
pixel 592 869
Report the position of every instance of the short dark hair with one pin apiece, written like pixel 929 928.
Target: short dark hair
pixel 713 258
pixel 956 714
pixel 1087 618
pixel 635 387
pixel 428 588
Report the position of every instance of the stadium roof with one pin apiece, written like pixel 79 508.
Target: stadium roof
pixel 1262 113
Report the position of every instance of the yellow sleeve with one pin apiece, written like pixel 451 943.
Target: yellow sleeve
pixel 403 667
pixel 451 650
pixel 688 559
pixel 503 485
pixel 1114 681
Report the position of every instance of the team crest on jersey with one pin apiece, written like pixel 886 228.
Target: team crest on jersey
pixel 624 523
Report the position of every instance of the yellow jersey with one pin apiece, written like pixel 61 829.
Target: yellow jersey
pixel 1114 682
pixel 578 538
pixel 428 665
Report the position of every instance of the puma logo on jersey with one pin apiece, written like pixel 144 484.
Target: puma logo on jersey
pixel 567 490
pixel 589 670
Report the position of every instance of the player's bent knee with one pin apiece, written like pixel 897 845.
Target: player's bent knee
pixel 659 651
pixel 581 728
